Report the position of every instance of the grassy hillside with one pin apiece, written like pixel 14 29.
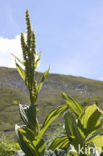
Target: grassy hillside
pixel 12 88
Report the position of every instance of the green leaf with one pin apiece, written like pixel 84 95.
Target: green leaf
pixel 60 142
pixel 23 114
pixel 16 58
pixel 25 145
pixel 73 133
pixel 31 115
pixel 28 115
pixel 29 142
pixel 20 70
pixel 73 104
pixel 40 146
pixel 94 134
pixel 37 143
pixel 43 79
pixel 37 62
pixel 97 141
pixel 51 117
pixel 90 119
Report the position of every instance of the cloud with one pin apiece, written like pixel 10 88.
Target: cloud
pixel 8 46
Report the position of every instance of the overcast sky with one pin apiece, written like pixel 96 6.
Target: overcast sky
pixel 69 33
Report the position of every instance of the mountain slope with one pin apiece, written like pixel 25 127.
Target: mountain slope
pixel 12 88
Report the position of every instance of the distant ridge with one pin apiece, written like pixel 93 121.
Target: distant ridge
pixel 12 88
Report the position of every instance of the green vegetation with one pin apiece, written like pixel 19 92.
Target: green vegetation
pixel 84 129
pixel 8 147
pixel 30 134
pixel 12 88
pixel 83 125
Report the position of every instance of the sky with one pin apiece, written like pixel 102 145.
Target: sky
pixel 69 33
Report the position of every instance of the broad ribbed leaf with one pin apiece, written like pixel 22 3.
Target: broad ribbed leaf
pixel 51 117
pixel 28 115
pixel 24 144
pixel 31 115
pixel 29 142
pixel 40 146
pixel 73 104
pixel 36 142
pixel 97 141
pixel 23 114
pixel 43 79
pixel 90 119
pixel 60 142
pixel 72 130
pixel 20 70
pixel 94 134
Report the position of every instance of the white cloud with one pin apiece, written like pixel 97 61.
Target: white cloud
pixel 8 46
